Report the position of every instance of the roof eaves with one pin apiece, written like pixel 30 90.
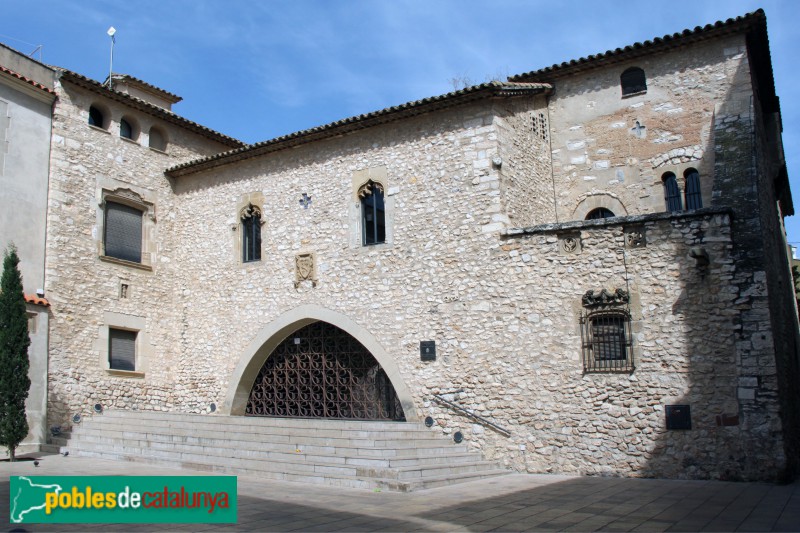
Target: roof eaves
pixel 26 80
pixel 147 107
pixel 359 122
pixel 173 98
pixel 687 36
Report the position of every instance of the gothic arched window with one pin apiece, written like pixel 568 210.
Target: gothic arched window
pixel 633 81
pixel 251 233
pixel 693 198
pixel 600 212
pixel 373 213
pixel 672 194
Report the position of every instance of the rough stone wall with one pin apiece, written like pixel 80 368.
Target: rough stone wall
pixel 524 152
pixel 519 363
pixel 765 133
pixel 608 148
pixel 82 288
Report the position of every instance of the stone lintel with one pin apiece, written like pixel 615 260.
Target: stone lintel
pixel 557 227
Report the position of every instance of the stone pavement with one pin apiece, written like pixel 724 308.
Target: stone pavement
pixel 516 502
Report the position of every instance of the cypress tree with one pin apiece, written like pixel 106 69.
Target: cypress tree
pixel 14 342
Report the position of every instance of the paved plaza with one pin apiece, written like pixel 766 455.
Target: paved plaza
pixel 515 502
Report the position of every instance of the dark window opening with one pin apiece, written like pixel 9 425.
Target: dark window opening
pixel 693 198
pixel 633 81
pixel 606 341
pixel 96 117
pixel 123 232
pixel 121 349
pixel 600 212
pixel 125 129
pixel 251 234
pixel 672 194
pixel 158 140
pixel 373 214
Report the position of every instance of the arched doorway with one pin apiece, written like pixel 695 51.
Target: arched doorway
pixel 321 371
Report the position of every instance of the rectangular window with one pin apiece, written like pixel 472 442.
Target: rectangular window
pixel 122 234
pixel 606 342
pixel 121 349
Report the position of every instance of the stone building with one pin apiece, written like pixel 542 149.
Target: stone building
pixel 588 258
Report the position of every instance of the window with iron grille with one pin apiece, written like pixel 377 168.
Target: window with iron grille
pixel 373 214
pixel 606 341
pixel 122 232
pixel 121 349
pixel 672 194
pixel 693 198
pixel 633 81
pixel 251 234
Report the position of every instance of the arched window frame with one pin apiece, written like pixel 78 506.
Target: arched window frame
pixel 694 198
pixel 128 129
pixel 672 193
pixel 599 213
pixel 98 117
pixel 251 223
pixel 633 81
pixel 157 139
pixel 373 213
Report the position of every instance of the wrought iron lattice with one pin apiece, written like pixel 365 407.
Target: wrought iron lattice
pixel 320 371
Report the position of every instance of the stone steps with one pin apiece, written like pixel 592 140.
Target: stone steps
pixel 397 456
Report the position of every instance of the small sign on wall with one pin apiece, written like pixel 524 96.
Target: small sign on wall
pixel 427 350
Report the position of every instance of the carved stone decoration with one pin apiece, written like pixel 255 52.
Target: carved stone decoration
pixel 569 244
pixel 305 269
pixel 366 189
pixel 635 237
pixel 250 210
pixel 604 297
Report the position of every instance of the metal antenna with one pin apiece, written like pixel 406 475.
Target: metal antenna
pixel 111 31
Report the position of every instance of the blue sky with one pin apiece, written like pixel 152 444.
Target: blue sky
pixel 260 69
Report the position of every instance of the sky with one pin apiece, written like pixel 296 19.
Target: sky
pixel 259 69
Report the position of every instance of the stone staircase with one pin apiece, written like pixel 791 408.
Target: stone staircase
pixel 398 456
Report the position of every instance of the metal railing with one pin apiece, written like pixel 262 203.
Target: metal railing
pixel 472 415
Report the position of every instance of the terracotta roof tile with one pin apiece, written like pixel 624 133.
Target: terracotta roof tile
pixel 26 80
pixel 146 107
pixel 346 125
pixel 686 36
pixel 35 300
pixel 172 97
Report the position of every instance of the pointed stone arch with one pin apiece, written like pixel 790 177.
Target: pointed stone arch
pixel 270 336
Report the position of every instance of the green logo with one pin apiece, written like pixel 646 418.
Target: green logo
pixel 121 499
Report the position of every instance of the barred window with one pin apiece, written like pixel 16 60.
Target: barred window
pixel 606 341
pixel 672 194
pixel 122 237
pixel 693 198
pixel 251 234
pixel 633 81
pixel 121 349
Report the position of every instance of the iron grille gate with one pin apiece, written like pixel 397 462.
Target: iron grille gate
pixel 321 371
